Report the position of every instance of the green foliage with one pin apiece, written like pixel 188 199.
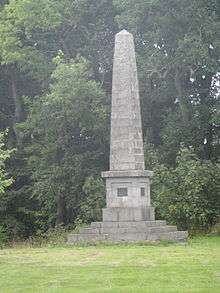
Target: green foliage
pixel 178 51
pixel 67 128
pixel 5 183
pixel 216 229
pixel 53 237
pixel 22 24
pixel 94 200
pixel 3 237
pixel 188 195
pixel 5 154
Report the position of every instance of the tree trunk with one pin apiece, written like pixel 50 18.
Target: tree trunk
pixel 61 211
pixel 18 109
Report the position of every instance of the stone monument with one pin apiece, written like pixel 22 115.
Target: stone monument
pixel 129 215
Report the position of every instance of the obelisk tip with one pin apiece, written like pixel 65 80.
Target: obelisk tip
pixel 123 32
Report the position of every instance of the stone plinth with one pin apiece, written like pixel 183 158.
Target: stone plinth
pixel 134 183
pixel 127 232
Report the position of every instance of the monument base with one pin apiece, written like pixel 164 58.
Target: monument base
pixel 127 225
pixel 127 231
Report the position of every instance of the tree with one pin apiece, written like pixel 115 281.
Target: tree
pixel 5 154
pixel 21 55
pixel 28 46
pixel 90 207
pixel 67 127
pixel 5 182
pixel 178 54
pixel 187 195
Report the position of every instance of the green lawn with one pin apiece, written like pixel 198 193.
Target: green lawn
pixel 193 267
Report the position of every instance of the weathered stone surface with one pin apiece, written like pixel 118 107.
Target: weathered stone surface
pixel 127 173
pixel 127 182
pixel 125 224
pixel 89 230
pixel 120 214
pixel 162 229
pixel 141 224
pixel 129 234
pixel 133 197
pixel 128 216
pixel 126 149
pixel 127 237
pixel 128 229
pixel 173 236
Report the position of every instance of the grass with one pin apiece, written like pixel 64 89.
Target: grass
pixel 193 267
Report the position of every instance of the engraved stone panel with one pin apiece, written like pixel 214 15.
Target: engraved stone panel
pixel 143 191
pixel 122 191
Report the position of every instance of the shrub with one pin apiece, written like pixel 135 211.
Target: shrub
pixel 52 237
pixel 3 237
pixel 93 202
pixel 188 195
pixel 5 154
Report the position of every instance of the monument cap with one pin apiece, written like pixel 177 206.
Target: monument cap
pixel 124 32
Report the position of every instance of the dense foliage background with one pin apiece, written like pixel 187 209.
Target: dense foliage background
pixel 55 87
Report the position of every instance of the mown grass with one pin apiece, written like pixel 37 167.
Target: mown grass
pixel 193 267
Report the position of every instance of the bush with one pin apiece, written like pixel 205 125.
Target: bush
pixel 216 229
pixel 52 237
pixel 3 237
pixel 188 195
pixel 91 206
pixel 5 154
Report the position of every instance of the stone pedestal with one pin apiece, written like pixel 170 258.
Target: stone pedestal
pixel 129 188
pixel 128 196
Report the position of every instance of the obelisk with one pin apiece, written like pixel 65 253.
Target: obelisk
pixel 126 148
pixel 128 215
pixel 127 182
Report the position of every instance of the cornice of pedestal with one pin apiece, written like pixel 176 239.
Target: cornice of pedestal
pixel 127 173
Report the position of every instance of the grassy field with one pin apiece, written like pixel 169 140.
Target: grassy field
pixel 172 268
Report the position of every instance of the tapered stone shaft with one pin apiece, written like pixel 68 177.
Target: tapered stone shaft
pixel 128 215
pixel 126 148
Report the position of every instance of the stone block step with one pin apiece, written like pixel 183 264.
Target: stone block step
pixel 77 238
pixel 115 230
pixel 131 229
pixel 125 224
pixel 128 237
pixel 90 230
pixel 162 229
pixel 174 236
pixel 134 237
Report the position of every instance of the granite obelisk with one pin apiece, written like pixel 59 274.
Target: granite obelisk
pixel 128 215
pixel 127 182
pixel 126 148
